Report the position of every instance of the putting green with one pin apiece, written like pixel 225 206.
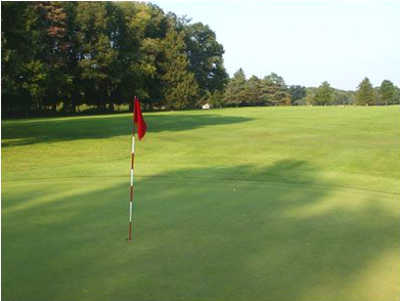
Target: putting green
pixel 284 203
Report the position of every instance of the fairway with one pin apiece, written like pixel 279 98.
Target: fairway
pixel 262 203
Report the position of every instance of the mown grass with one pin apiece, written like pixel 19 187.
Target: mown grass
pixel 235 204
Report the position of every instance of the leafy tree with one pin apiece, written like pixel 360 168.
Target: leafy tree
pixel 276 80
pixel 297 92
pixel 387 93
pixel 397 96
pixel 323 95
pixel 215 99
pixel 343 97
pixel 104 53
pixel 99 51
pixel 15 52
pixel 281 98
pixel 142 52
pixel 205 57
pixel 54 55
pixel 365 94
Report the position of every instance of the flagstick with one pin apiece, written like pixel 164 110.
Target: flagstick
pixel 132 168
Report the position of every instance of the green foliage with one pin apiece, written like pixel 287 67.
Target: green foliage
pixel 365 94
pixel 343 97
pixel 271 90
pixel 253 93
pixel 397 96
pixel 205 57
pixel 297 92
pixel 180 86
pixel 102 54
pixel 275 90
pixel 235 89
pixel 323 95
pixel 387 93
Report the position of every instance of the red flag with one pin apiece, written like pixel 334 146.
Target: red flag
pixel 138 119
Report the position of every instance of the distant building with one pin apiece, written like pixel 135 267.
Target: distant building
pixel 205 107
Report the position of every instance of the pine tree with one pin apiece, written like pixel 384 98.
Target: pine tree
pixel 180 87
pixel 235 89
pixel 274 91
pixel 253 91
pixel 365 94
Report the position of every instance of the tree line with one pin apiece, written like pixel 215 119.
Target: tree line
pixel 271 90
pixel 59 56
pixel 101 54
pixel 386 94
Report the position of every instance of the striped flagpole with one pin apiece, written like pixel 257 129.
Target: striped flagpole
pixel 132 168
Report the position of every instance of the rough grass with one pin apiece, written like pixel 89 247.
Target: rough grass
pixel 236 204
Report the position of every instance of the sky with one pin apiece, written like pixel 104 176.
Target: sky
pixel 304 41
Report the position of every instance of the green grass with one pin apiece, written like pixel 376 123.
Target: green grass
pixel 235 204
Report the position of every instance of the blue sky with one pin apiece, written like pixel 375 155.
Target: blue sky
pixel 305 41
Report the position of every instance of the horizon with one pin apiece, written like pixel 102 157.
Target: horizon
pixel 340 42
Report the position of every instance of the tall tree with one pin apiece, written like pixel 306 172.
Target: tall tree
pixel 99 51
pixel 205 57
pixel 142 52
pixel 55 53
pixel 180 86
pixel 365 93
pixel 15 52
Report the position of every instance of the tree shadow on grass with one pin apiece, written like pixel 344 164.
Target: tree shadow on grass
pixel 73 128
pixel 199 238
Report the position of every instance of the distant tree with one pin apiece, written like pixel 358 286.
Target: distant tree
pixel 397 96
pixel 343 97
pixel 216 99
pixel 275 91
pixel 282 98
pixel 253 94
pixel 275 80
pixel 235 89
pixel 297 92
pixel 387 93
pixel 365 94
pixel 323 95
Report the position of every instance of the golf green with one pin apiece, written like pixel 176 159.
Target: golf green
pixel 268 203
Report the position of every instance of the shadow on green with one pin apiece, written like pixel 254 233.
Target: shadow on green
pixel 196 238
pixel 53 130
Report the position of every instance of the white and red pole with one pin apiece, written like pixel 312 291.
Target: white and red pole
pixel 132 170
